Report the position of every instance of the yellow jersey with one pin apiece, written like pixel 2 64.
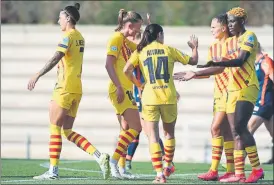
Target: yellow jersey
pixel 156 62
pixel 120 47
pixel 70 66
pixel 244 76
pixel 221 80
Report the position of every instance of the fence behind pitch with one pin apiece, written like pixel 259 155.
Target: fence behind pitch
pixel 24 114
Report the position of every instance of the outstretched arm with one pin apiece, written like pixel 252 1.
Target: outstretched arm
pixel 238 62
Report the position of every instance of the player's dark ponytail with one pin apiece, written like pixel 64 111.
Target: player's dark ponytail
pixel 73 12
pixel 150 34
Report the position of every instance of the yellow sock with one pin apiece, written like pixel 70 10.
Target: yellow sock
pixel 253 156
pixel 169 147
pixel 229 149
pixel 239 162
pixel 55 145
pixel 81 142
pixel 125 139
pixel 156 156
pixel 122 160
pixel 217 149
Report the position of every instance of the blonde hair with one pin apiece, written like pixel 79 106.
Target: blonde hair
pixel 238 12
pixel 124 17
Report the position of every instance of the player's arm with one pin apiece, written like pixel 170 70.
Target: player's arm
pixel 51 63
pixel 58 55
pixel 209 58
pixel 113 49
pixel 129 67
pixel 267 67
pixel 193 44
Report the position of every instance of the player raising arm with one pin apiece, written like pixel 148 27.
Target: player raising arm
pixel 243 90
pixel 156 62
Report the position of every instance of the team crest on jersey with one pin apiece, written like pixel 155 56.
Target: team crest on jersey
pixel 65 41
pixel 250 38
pixel 113 48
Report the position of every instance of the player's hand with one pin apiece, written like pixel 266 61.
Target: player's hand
pixel 208 64
pixel 187 76
pixel 148 19
pixel 193 42
pixel 120 95
pixel 178 75
pixel 33 81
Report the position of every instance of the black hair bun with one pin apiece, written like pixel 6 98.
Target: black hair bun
pixel 77 6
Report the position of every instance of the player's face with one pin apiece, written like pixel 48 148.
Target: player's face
pixel 217 29
pixel 63 21
pixel 134 28
pixel 234 24
pixel 160 37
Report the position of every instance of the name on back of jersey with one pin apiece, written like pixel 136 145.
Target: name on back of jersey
pixel 155 52
pixel 80 42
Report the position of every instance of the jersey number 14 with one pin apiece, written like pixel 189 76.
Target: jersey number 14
pixel 162 62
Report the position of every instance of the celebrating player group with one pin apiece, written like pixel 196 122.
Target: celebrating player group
pixel 141 90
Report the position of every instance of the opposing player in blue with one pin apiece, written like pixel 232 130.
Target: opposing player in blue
pixel 263 110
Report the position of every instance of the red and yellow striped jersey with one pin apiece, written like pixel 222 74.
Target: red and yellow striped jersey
pixel 221 80
pixel 120 47
pixel 244 76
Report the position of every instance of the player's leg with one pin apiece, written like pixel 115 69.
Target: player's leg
pixel 217 148
pixel 254 123
pixel 123 128
pixel 243 113
pixel 80 141
pixel 169 116
pixel 269 127
pixel 129 111
pixel 57 118
pixel 134 144
pixel 265 112
pixel 237 153
pixel 244 141
pixel 228 148
pixel 122 161
pixel 151 115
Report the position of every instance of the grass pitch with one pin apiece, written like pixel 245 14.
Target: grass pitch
pixel 20 171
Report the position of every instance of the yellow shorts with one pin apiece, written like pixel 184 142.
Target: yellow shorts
pixel 128 103
pixel 168 113
pixel 220 103
pixel 68 101
pixel 247 94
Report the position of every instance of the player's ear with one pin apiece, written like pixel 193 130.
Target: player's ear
pixel 243 21
pixel 68 18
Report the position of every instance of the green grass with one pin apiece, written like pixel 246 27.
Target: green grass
pixel 20 171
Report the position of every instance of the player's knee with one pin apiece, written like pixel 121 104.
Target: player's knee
pixel 239 129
